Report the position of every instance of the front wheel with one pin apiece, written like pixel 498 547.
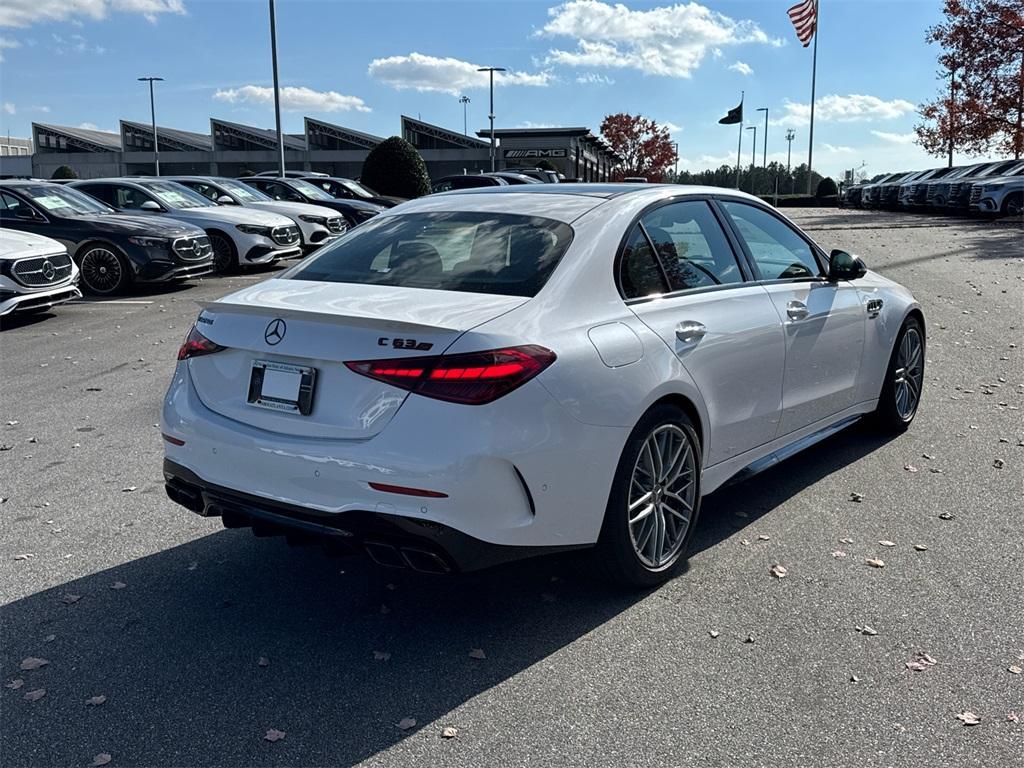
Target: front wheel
pixel 225 257
pixel 654 502
pixel 904 379
pixel 1013 205
pixel 104 271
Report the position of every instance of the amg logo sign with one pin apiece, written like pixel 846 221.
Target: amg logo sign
pixel 534 153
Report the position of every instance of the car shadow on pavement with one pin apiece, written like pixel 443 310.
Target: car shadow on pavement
pixel 734 507
pixel 200 649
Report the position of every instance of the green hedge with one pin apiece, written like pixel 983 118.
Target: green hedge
pixel 394 167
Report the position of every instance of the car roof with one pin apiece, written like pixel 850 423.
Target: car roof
pixel 601 190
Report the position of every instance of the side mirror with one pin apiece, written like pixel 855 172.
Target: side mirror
pixel 225 200
pixel 150 205
pixel 845 266
pixel 25 213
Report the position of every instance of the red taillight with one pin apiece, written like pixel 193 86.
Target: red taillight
pixel 473 378
pixel 196 345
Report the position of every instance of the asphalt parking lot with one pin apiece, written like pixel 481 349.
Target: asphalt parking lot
pixel 202 639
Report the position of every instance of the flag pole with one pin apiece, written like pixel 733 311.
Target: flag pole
pixel 814 77
pixel 739 142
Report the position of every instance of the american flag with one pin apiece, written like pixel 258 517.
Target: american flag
pixel 805 19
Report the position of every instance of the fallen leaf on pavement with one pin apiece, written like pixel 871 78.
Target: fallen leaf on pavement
pixel 744 542
pixel 916 666
pixel 857 497
pixel 854 679
pixel 968 718
pixel 838 553
pixel 128 489
pixel 998 463
pixel 874 562
pixel 749 639
pixel 449 732
pixel 887 543
pixel 714 633
pixel 920 547
pixel 33 663
pixel 779 571
pixel 406 723
pixel 15 684
pixel 26 556
pixel 910 468
pixel 263 661
pixel 763 537
pixel 35 695
pixel 1012 717
pixel 95 701
pixel 867 630
pixel 101 759
pixel 70 599
pixel 946 516
pixel 1013 669
pixel 381 655
pixel 273 735
pixel 118 585
pixel 477 653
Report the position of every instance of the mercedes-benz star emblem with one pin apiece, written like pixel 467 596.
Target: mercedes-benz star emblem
pixel 49 270
pixel 276 330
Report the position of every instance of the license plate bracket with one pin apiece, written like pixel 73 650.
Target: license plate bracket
pixel 282 387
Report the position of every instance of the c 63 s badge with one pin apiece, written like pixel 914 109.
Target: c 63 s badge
pixel 420 346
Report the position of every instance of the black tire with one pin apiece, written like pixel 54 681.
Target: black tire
pixel 225 255
pixel 616 556
pixel 889 415
pixel 104 270
pixel 1013 205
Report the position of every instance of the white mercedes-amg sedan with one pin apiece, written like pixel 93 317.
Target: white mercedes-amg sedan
pixel 490 374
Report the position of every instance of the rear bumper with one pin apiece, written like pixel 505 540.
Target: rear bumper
pixel 389 540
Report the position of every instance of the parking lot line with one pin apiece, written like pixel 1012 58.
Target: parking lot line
pixel 109 301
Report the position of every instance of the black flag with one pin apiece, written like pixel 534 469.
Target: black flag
pixel 734 116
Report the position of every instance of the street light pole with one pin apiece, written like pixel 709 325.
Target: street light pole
pixel 675 149
pixel 277 88
pixel 753 155
pixel 152 115
pixel 764 161
pixel 464 100
pixel 492 70
pixel 790 135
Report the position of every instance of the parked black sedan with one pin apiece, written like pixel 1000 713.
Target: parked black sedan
pixel 301 191
pixel 112 250
pixel 348 189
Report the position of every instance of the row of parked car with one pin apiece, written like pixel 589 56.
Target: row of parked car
pixel 989 189
pixel 101 236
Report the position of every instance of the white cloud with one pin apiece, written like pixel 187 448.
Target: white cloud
pixel 896 138
pixel 670 40
pixel 837 150
pixel 293 98
pixel 23 13
pixel 844 109
pixel 7 43
pixel 742 67
pixel 531 124
pixel 672 127
pixel 75 44
pixel 592 78
pixel 10 109
pixel 420 72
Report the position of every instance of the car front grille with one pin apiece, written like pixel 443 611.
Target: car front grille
pixel 193 248
pixel 336 225
pixel 285 235
pixel 42 270
pixel 975 193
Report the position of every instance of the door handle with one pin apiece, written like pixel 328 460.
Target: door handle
pixel 690 331
pixel 874 306
pixel 797 310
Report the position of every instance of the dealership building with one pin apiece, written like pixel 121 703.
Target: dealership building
pixel 234 149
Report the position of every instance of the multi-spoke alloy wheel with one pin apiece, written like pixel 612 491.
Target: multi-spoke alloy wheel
pixel 661 496
pixel 909 374
pixel 102 271
pixel 223 253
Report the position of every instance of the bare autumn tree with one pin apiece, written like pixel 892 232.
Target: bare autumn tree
pixel 982 107
pixel 643 144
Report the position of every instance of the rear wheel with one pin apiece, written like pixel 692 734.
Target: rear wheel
pixel 225 256
pixel 904 379
pixel 1013 205
pixel 654 503
pixel 104 271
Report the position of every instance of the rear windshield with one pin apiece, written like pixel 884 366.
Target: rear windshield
pixel 498 253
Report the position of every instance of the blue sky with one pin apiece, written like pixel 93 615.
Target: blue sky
pixel 363 64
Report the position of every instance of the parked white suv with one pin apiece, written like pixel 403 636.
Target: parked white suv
pixel 36 273
pixel 317 224
pixel 1000 195
pixel 239 236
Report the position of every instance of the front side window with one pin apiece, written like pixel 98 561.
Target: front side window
pixel 494 253
pixel 778 251
pixel 691 246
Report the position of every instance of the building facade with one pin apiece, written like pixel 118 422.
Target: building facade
pixel 234 149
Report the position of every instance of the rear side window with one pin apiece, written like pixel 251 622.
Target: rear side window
pixel 495 253
pixel 639 273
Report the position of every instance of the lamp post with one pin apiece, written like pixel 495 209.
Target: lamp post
pixel 277 88
pixel 764 160
pixel 753 155
pixel 490 117
pixel 790 135
pixel 675 149
pixel 152 115
pixel 464 100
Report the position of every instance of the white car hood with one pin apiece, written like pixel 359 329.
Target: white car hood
pixel 295 209
pixel 20 245
pixel 230 215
